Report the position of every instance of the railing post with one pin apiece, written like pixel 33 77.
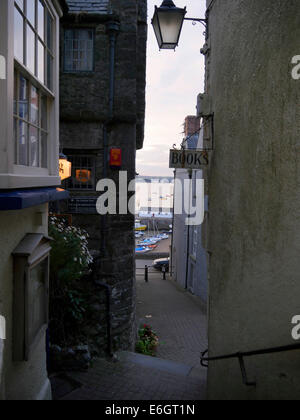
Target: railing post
pixel 164 273
pixel 146 273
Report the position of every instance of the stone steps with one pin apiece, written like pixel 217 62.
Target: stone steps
pixel 162 365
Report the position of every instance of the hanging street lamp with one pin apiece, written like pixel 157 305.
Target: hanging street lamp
pixel 167 24
pixel 65 167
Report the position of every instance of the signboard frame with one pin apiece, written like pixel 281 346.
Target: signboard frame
pixel 189 159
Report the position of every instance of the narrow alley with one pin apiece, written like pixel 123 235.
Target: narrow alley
pixel 175 374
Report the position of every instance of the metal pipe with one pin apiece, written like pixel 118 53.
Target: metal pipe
pixel 108 319
pixel 112 29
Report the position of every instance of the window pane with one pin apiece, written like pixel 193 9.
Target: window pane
pixel 23 128
pixel 82 173
pixel 16 139
pixel 68 34
pixel 20 3
pixel 23 99
pixel 18 36
pixel 44 151
pixel 34 146
pixel 41 20
pixel 49 71
pixel 34 106
pixel 49 31
pixel 31 11
pixel 15 93
pixel 44 113
pixel 78 50
pixel 41 62
pixel 30 50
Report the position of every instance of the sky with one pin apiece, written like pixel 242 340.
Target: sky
pixel 174 79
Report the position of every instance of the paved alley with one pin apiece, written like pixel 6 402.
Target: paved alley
pixel 177 317
pixel 175 374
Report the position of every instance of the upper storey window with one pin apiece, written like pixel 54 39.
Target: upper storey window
pixel 79 50
pixel 33 39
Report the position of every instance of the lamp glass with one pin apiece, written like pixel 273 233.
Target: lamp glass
pixel 65 168
pixel 167 24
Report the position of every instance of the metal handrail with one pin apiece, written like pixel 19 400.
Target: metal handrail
pixel 241 355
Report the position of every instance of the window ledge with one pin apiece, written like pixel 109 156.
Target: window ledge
pixel 16 181
pixel 22 199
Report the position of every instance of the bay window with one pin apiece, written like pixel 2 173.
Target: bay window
pixel 29 32
pixel 33 46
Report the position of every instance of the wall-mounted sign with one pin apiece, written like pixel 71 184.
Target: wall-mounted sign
pixel 115 158
pixel 189 159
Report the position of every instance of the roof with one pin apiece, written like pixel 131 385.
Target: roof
pixel 88 6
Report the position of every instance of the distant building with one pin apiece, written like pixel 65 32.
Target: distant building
pixel 29 177
pixel 102 103
pixel 189 258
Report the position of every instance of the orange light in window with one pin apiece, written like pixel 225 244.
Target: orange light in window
pixel 83 175
pixel 115 158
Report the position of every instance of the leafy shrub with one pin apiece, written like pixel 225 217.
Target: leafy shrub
pixel 70 261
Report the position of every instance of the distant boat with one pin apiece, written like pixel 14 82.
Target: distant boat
pixel 142 250
pixel 139 227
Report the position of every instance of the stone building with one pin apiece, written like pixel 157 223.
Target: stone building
pixel 102 109
pixel 29 177
pixel 254 223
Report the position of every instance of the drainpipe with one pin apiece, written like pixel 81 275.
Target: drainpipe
pixel 112 29
pixel 108 319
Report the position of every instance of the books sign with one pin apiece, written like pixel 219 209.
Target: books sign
pixel 189 159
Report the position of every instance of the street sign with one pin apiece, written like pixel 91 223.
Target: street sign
pixel 189 159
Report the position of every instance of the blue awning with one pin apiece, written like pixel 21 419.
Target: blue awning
pixel 23 199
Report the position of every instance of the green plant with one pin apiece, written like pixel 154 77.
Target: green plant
pixel 70 260
pixel 147 342
pixel 70 255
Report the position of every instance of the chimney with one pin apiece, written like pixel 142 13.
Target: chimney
pixel 191 125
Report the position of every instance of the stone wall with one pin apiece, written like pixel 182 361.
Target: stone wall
pixel 84 115
pixel 254 233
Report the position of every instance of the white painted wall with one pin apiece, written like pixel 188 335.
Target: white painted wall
pixel 25 380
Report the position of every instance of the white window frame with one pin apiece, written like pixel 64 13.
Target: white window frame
pixel 14 176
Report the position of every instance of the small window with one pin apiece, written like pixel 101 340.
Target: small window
pixel 30 123
pixel 83 173
pixel 79 50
